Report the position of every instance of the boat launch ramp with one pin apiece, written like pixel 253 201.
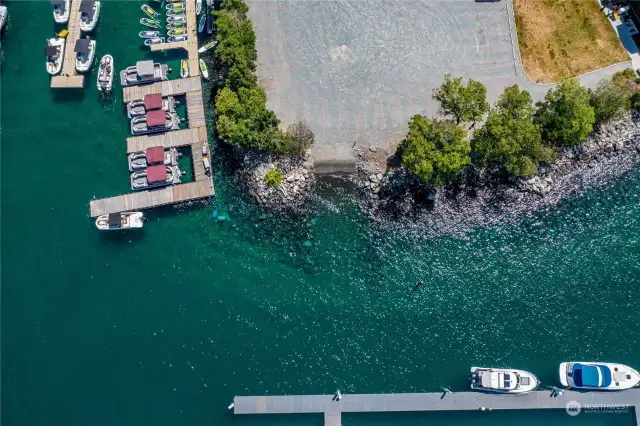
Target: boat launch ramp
pixel 70 79
pixel 332 409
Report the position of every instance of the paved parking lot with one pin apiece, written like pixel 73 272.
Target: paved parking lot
pixel 357 70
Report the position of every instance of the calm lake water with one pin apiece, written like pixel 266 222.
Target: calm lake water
pixel 165 326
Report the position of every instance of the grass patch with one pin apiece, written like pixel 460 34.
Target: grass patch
pixel 562 39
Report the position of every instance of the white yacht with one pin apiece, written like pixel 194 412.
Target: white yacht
pixel 155 121
pixel 153 156
pixel 85 52
pixel 105 74
pixel 144 72
pixel 155 176
pixel 502 380
pixel 118 221
pixel 598 375
pixel 3 16
pixel 54 53
pixel 60 11
pixel 139 107
pixel 89 13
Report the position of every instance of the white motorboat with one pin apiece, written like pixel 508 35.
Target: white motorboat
pixel 598 375
pixel 149 12
pixel 155 176
pixel 208 46
pixel 120 221
pixel 203 69
pixel 180 37
pixel 144 72
pixel 60 11
pixel 198 7
pixel 503 380
pixel 89 13
pixel 153 156
pixel 155 121
pixel 3 16
pixel 155 40
pixel 149 34
pixel 54 53
pixel 85 52
pixel 139 107
pixel 184 68
pixel 105 74
pixel 176 19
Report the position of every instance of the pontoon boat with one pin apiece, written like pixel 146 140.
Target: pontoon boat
pixel 153 101
pixel 155 176
pixel 144 72
pixel 155 121
pixel 153 156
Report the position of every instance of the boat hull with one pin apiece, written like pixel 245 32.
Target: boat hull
pixel 502 381
pixel 84 65
pixel 54 68
pixel 90 26
pixel 128 220
pixel 105 74
pixel 622 376
pixel 62 18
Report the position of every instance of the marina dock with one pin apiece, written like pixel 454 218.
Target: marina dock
pixel 69 78
pixel 194 136
pixel 458 401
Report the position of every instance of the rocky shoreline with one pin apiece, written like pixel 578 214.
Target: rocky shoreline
pixel 392 196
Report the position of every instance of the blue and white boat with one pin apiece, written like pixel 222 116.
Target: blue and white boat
pixel 598 375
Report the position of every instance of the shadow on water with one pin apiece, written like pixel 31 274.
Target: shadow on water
pixel 68 95
pixel 117 238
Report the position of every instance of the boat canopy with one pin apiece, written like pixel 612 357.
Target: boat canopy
pixel 82 45
pixel 157 174
pixel 153 101
pixel 591 375
pixel 87 7
pixel 155 155
pixel 114 220
pixel 51 51
pixel 156 118
pixel 144 68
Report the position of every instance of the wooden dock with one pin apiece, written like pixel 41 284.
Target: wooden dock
pixel 179 86
pixel 195 110
pixel 173 139
pixel 622 401
pixel 69 77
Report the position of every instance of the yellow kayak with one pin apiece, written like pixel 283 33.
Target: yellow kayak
pixel 63 33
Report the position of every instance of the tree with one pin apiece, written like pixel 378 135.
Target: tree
pixel 302 137
pixel 462 103
pixel 609 101
pixel 435 150
pixel 509 138
pixel 565 116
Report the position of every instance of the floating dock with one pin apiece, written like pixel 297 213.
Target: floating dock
pixel 618 401
pixel 194 136
pixel 70 79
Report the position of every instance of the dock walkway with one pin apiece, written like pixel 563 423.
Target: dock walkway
pixel 69 77
pixel 459 401
pixel 179 86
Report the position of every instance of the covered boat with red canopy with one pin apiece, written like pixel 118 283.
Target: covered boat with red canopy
pixel 155 176
pixel 152 156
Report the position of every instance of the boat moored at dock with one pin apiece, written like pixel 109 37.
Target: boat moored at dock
pixel 151 23
pixel 85 52
pixel 598 375
pixel 54 53
pixel 178 5
pixel 175 12
pixel 149 34
pixel 89 13
pixel 154 177
pixel 155 121
pixel 120 221
pixel 179 37
pixel 60 11
pixel 149 12
pixel 105 74
pixel 198 7
pixel 208 46
pixel 139 107
pixel 502 380
pixel 184 68
pixel 154 40
pixel 203 69
pixel 144 72
pixel 176 19
pixel 151 157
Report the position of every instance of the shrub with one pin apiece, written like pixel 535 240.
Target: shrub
pixel 301 137
pixel 609 101
pixel 273 178
pixel 635 101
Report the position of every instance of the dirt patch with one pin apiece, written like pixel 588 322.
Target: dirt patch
pixel 562 39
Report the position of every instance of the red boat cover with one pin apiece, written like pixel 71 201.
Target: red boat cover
pixel 153 101
pixel 156 118
pixel 155 155
pixel 156 174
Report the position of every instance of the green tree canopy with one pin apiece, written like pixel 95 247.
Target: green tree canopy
pixel 462 103
pixel 434 150
pixel 565 116
pixel 610 102
pixel 509 138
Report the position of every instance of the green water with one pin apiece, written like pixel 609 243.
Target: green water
pixel 165 326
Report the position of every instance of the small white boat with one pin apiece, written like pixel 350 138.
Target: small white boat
pixel 175 6
pixel 89 13
pixel 208 46
pixel 203 69
pixel 152 23
pixel 175 12
pixel 176 19
pixel 118 221
pixel 105 74
pixel 201 24
pixel 155 176
pixel 502 380
pixel 177 32
pixel 3 16
pixel 149 34
pixel 60 11
pixel 180 37
pixel 198 7
pixel 154 40
pixel 184 68
pixel 151 157
pixel 54 53
pixel 149 12
pixel 85 52
pixel 598 375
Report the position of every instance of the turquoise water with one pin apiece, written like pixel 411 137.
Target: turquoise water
pixel 165 326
